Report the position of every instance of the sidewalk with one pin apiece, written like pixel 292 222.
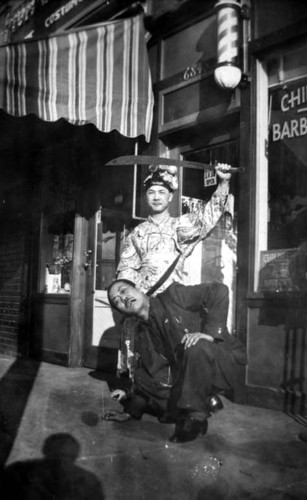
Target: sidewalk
pixel 248 453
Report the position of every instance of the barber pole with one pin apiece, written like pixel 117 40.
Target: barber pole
pixel 228 73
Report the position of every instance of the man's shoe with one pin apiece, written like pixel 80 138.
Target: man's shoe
pixel 170 416
pixel 166 418
pixel 188 429
pixel 215 404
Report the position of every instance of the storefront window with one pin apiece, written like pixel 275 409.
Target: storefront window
pixel 110 237
pixel 283 266
pixel 59 267
pixel 56 254
pixel 106 253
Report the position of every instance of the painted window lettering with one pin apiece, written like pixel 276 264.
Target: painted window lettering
pixel 289 129
pixel 294 98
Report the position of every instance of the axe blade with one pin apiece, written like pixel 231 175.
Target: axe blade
pixel 155 160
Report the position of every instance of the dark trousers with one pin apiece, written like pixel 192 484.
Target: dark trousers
pixel 216 304
pixel 212 318
pixel 198 375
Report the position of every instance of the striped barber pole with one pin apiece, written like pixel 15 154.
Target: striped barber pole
pixel 227 31
pixel 99 75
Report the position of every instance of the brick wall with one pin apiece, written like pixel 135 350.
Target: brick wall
pixel 13 286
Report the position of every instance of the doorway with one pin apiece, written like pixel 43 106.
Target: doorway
pixel 215 258
pixel 106 235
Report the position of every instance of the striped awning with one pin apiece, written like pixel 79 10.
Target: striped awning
pixel 96 75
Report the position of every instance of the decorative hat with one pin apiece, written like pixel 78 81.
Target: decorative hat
pixel 162 175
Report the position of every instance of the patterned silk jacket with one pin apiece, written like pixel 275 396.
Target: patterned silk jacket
pixel 152 247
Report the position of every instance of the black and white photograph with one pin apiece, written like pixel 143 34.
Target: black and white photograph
pixel 153 249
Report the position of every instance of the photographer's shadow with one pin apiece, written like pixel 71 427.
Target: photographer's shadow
pixel 54 476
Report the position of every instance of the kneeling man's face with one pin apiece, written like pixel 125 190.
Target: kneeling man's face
pixel 126 298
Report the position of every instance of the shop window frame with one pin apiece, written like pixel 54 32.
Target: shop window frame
pixel 206 113
pixel 260 178
pixel 260 206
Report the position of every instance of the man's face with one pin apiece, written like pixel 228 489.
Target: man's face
pixel 126 298
pixel 158 198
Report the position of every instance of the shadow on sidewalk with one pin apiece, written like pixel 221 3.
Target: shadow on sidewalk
pixel 15 388
pixel 56 476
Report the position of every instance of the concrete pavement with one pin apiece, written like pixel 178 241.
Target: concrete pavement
pixel 54 445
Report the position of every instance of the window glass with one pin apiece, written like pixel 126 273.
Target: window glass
pixel 105 259
pixel 288 165
pixel 283 267
pixel 189 47
pixel 287 65
pixel 56 253
pixel 59 265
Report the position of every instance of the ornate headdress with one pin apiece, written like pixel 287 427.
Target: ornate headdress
pixel 162 175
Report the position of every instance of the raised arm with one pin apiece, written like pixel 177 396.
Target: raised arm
pixel 216 205
pixel 194 227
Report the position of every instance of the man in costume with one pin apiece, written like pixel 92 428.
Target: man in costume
pixel 155 252
pixel 153 245
pixel 185 353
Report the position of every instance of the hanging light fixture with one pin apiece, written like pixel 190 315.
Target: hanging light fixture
pixel 227 72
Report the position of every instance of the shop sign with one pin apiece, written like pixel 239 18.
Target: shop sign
pixel 210 178
pixel 21 15
pixel 288 110
pixel 38 17
pixel 282 270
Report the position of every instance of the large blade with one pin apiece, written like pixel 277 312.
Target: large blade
pixel 155 160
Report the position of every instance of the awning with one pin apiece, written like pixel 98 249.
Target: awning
pixel 97 75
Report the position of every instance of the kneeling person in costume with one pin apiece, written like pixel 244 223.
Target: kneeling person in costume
pixel 186 353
